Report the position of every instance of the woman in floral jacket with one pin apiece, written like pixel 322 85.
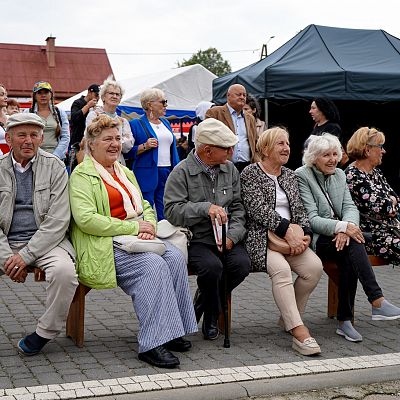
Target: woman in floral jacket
pixel 272 200
pixel 372 194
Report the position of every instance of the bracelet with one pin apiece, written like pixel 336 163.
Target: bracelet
pixel 144 146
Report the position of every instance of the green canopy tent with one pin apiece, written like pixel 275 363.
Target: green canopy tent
pixel 359 69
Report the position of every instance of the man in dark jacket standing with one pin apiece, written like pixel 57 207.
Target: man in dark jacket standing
pixel 79 111
pixel 202 192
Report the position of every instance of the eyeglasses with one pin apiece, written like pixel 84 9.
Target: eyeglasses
pixel 114 94
pixel 163 102
pixel 221 148
pixel 381 146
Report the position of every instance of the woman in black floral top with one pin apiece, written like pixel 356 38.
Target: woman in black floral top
pixel 372 194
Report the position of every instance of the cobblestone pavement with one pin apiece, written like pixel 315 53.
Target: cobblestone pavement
pixel 109 354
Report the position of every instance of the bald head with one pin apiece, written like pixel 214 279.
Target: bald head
pixel 236 97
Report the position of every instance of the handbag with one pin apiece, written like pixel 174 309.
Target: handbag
pixel 176 235
pixel 279 244
pixel 132 244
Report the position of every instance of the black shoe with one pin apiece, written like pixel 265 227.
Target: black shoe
pixel 160 357
pixel 210 326
pixel 32 344
pixel 179 344
pixel 198 305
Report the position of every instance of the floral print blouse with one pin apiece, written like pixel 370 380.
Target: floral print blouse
pixel 371 193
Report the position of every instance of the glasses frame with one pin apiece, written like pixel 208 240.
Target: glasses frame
pixel 381 146
pixel 221 148
pixel 119 95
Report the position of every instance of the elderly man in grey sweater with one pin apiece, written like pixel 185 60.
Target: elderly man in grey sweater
pixel 34 220
pixel 204 190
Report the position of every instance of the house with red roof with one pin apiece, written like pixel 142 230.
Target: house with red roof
pixel 69 70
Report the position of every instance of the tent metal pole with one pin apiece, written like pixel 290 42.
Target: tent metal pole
pixel 266 112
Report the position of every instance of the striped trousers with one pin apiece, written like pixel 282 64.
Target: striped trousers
pixel 159 288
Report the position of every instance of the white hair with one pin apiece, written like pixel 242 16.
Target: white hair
pixel 150 94
pixel 316 145
pixel 106 85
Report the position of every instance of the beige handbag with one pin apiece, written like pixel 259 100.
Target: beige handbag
pixel 176 235
pixel 280 245
pixel 132 244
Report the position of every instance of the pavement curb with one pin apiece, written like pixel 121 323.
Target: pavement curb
pixel 223 381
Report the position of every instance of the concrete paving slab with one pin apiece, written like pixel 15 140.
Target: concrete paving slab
pixel 259 348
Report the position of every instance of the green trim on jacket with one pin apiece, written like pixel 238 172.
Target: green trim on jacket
pixel 93 228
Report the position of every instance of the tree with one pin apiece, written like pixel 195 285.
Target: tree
pixel 210 59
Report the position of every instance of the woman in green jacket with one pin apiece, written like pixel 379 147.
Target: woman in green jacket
pixel 106 201
pixel 334 220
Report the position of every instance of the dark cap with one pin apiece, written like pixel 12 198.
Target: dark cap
pixel 94 88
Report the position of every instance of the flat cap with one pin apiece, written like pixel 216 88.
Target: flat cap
pixel 214 132
pixel 23 119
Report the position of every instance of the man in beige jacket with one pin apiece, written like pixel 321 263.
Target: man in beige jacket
pixel 240 123
pixel 34 220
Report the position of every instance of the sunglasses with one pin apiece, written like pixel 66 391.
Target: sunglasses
pixel 163 102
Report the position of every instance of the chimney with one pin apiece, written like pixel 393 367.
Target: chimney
pixel 51 51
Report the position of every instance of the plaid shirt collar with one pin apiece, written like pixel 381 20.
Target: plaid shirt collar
pixel 211 171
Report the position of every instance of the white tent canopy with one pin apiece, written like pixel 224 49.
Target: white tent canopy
pixel 184 88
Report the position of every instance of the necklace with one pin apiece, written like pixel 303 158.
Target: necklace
pixel 157 125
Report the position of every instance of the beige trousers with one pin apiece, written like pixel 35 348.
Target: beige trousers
pixel 290 298
pixel 62 282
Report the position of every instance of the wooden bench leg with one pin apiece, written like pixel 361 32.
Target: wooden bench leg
pixel 332 271
pixel 221 318
pixel 76 316
pixel 332 298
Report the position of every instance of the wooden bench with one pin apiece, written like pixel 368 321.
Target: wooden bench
pixel 332 270
pixel 75 328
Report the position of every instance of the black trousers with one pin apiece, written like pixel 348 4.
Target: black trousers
pixel 353 265
pixel 206 260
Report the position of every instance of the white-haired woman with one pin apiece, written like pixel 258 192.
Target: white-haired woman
pixel 272 200
pixel 56 131
pixel 154 154
pixel 111 93
pixel 334 220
